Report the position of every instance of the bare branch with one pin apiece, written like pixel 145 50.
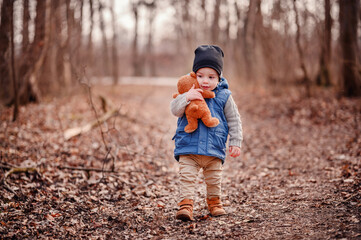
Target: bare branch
pixel 86 169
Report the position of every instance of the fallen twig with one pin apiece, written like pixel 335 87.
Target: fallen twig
pixel 72 132
pixel 21 170
pixel 86 169
pixel 5 164
pixel 5 167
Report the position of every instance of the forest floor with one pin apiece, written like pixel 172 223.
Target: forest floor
pixel 298 177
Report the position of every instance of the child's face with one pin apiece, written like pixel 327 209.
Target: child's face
pixel 207 78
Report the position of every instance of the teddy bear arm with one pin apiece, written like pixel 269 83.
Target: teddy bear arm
pixel 208 94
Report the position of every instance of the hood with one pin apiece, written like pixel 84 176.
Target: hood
pixel 223 84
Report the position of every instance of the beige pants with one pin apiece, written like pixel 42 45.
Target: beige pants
pixel 189 166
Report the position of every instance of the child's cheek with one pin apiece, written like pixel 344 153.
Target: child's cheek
pixel 215 86
pixel 199 81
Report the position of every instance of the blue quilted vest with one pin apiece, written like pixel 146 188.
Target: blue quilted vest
pixel 206 141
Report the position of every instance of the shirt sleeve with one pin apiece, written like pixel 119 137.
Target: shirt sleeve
pixel 234 123
pixel 178 105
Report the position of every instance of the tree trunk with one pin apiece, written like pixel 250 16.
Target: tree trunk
pixel 151 16
pixel 186 24
pixel 56 53
pixel 80 50
pixel 13 75
pixel 25 31
pixel 324 76
pixel 29 91
pixel 70 49
pixel 248 38
pixel 39 24
pixel 115 62
pixel 105 50
pixel 328 39
pixel 205 30
pixel 268 54
pixel 237 47
pixel 306 79
pixel 351 79
pixel 215 25
pixel 227 33
pixel 5 32
pixel 39 65
pixel 137 69
pixel 89 54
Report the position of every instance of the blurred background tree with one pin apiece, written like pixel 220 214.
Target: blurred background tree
pixel 266 43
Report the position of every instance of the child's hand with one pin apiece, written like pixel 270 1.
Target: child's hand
pixel 234 151
pixel 194 94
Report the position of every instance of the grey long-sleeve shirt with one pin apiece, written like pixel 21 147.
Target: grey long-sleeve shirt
pixel 179 104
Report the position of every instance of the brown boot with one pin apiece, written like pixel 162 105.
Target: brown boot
pixel 185 211
pixel 215 206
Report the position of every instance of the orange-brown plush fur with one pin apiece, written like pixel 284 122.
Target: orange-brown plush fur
pixel 196 109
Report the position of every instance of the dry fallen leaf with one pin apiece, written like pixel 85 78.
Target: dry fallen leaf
pixel 205 217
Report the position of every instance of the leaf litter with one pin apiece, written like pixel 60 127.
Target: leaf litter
pixel 298 176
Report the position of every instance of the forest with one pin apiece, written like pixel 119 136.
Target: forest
pixel 86 131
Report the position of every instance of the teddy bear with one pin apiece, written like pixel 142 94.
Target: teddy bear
pixel 196 109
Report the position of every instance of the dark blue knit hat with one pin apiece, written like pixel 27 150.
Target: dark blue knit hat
pixel 208 56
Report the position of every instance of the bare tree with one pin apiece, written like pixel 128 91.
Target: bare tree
pixel 79 44
pixel 185 37
pixel 5 32
pixel 249 37
pixel 215 25
pixel 324 76
pixel 25 30
pixel 90 36
pixel 39 68
pixel 13 75
pixel 115 62
pixel 55 57
pixel 104 40
pixel 306 79
pixel 266 38
pixel 186 23
pixel 151 7
pixel 238 41
pixel 34 58
pixel 137 62
pixel 70 47
pixel 351 79
pixel 227 33
pixel 205 20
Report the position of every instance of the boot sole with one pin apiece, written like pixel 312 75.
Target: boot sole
pixel 219 214
pixel 184 217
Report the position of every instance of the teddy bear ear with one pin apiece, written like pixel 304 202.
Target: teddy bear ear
pixel 193 74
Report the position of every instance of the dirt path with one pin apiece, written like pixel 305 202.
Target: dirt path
pixel 297 178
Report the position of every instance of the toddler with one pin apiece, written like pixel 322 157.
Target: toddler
pixel 206 147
